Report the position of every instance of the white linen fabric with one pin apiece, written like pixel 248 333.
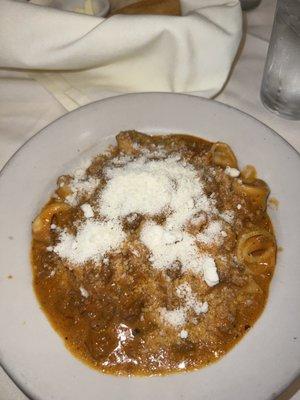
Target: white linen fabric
pixel 78 57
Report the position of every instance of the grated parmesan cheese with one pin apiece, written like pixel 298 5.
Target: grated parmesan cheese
pixel 211 234
pixel 93 240
pixel 175 317
pixel 233 172
pixel 154 186
pixel 81 186
pixel 198 220
pixel 135 192
pixel 210 272
pixel 227 216
pixel 184 291
pixel 84 292
pixel 168 247
pixel 87 210
pixel 178 316
pixel 148 187
pixel 135 252
pixel 131 218
pixel 184 334
pixel 105 261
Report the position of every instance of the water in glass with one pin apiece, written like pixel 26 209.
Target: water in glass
pixel 281 81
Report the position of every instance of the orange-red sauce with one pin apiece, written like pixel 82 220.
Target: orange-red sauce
pixel 116 328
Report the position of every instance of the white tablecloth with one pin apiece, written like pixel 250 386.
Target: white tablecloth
pixel 26 107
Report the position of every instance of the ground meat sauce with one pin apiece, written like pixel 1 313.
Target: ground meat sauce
pixel 109 311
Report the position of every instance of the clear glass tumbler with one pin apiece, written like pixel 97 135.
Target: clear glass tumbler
pixel 280 91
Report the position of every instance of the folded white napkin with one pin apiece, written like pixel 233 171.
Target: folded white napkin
pixel 81 58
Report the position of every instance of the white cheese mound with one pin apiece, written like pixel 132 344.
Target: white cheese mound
pixel 135 192
pixel 93 240
pixel 166 247
pixel 169 246
pixel 233 172
pixel 152 186
pixel 149 187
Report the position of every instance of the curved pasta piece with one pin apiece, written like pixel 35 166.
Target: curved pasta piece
pixel 257 250
pixel 223 155
pixel 41 225
pixel 248 174
pixel 253 287
pixel 258 192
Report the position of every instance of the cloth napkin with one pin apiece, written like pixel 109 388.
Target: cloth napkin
pixel 81 58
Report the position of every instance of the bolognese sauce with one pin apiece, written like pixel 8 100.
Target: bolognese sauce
pixel 155 258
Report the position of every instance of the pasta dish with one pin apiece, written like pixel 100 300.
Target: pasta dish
pixel 156 256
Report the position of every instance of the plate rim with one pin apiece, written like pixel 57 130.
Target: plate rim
pixel 167 94
pixel 132 95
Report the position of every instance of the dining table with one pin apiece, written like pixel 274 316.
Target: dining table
pixel 26 107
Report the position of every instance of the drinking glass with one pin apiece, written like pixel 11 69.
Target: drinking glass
pixel 280 91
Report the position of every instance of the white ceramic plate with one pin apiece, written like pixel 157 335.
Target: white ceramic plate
pixel 259 367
